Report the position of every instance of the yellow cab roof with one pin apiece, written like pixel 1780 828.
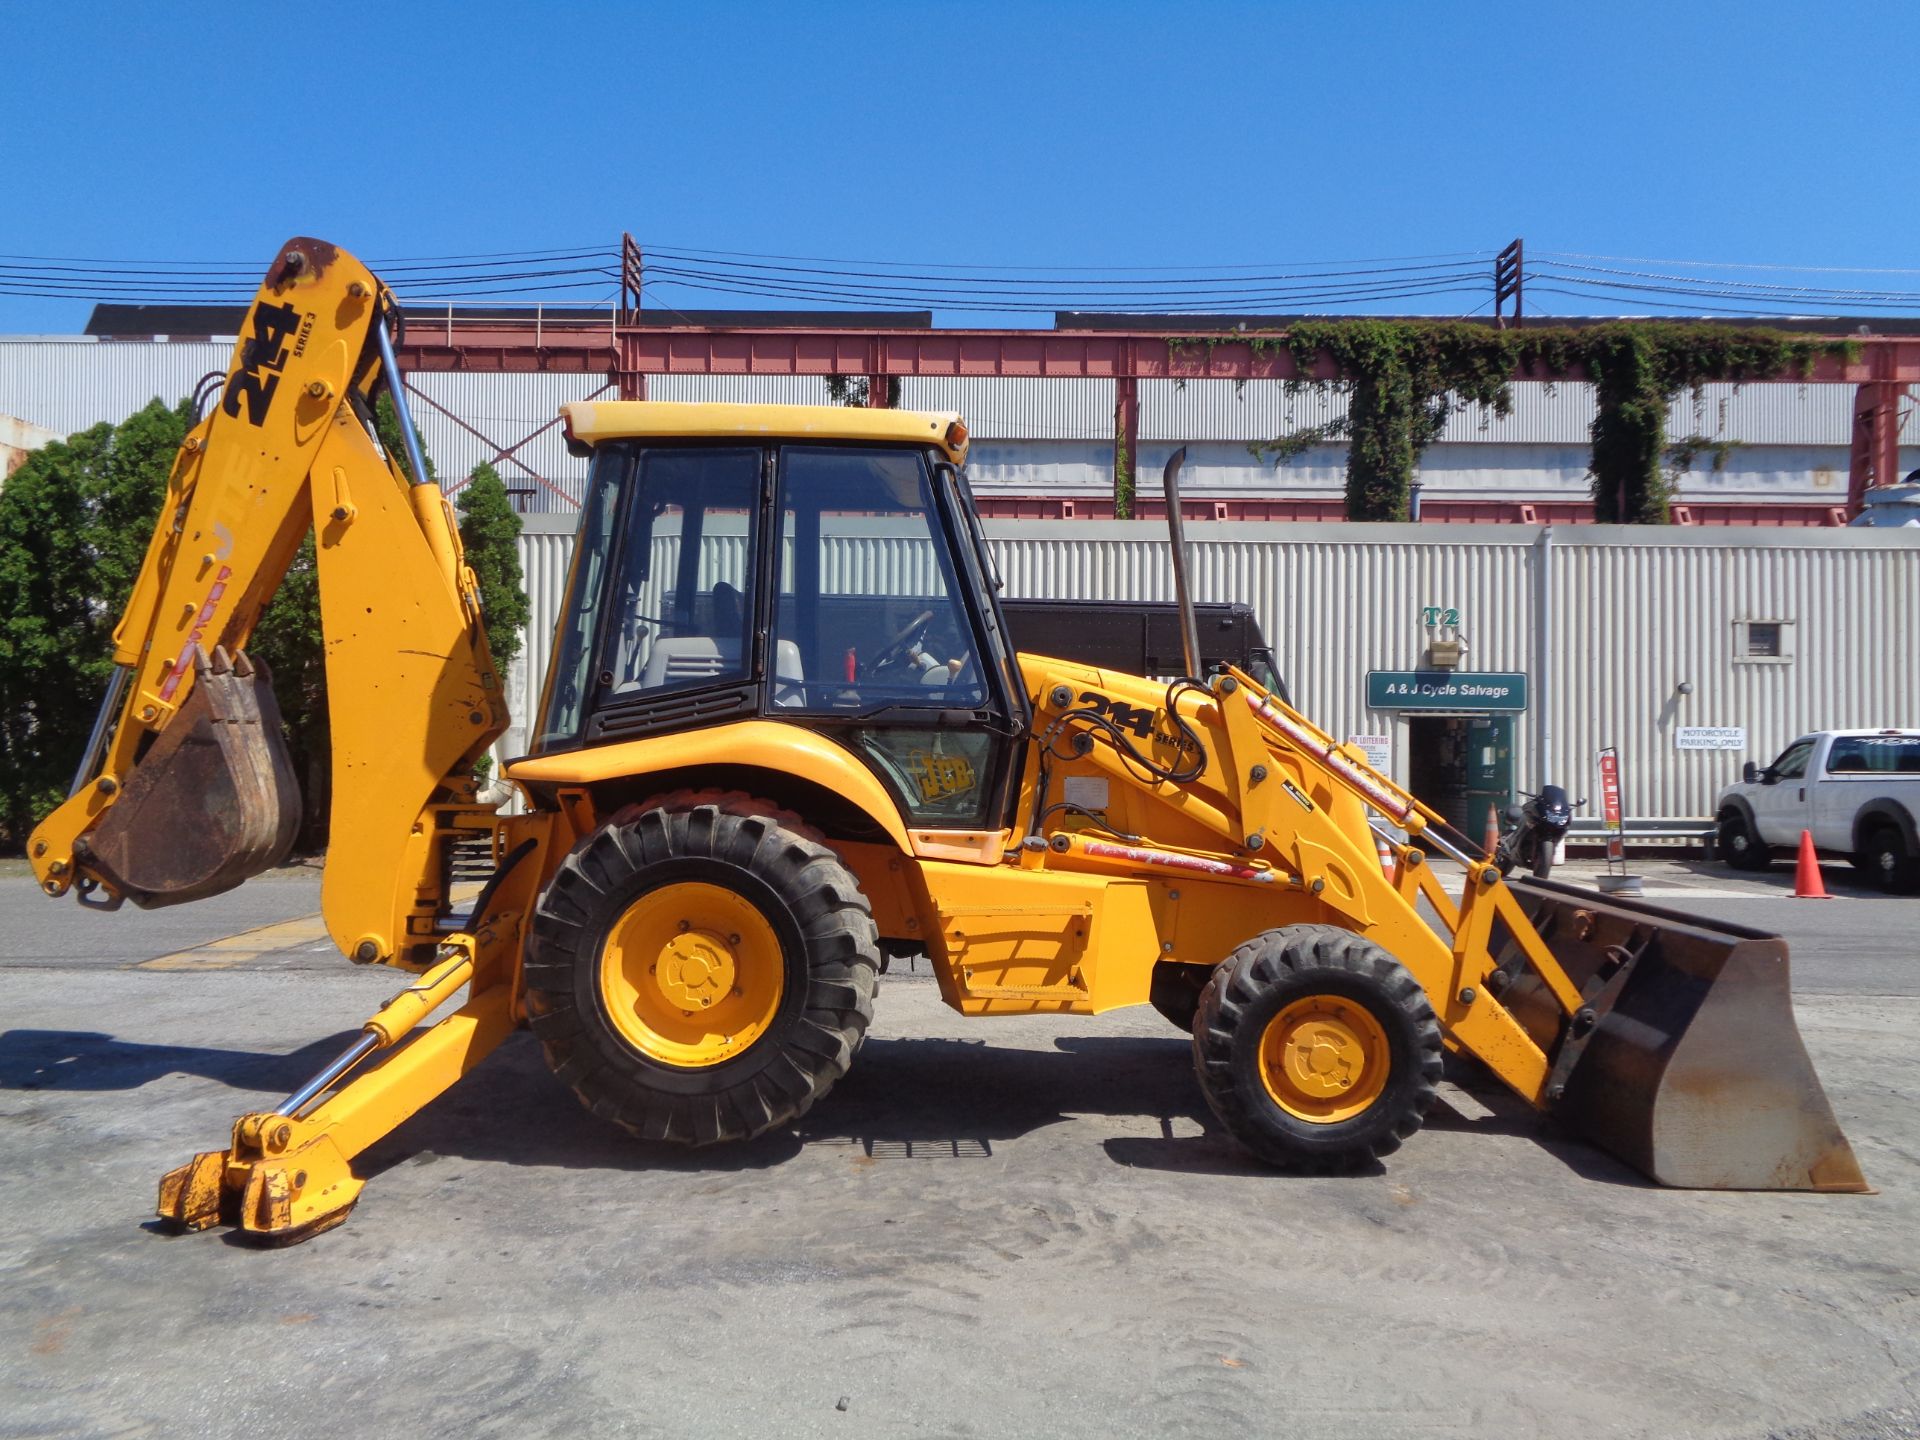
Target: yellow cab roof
pixel 591 421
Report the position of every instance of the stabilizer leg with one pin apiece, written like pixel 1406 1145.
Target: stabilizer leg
pixel 287 1177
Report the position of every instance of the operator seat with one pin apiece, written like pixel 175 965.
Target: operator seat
pixel 688 657
pixel 680 658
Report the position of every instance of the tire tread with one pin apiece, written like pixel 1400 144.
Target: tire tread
pixel 1227 1020
pixel 815 1047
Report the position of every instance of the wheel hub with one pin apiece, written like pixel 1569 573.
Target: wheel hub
pixel 1324 1058
pixel 691 974
pixel 695 969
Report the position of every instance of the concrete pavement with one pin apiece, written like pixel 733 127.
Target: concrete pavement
pixel 1015 1227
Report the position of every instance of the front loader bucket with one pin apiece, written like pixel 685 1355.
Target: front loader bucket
pixel 212 801
pixel 1684 1060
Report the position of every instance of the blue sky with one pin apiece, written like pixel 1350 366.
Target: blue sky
pixel 1115 135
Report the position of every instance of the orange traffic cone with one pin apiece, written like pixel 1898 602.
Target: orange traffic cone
pixel 1493 828
pixel 1807 884
pixel 1385 851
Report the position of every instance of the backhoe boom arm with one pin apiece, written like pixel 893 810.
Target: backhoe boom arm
pixel 187 790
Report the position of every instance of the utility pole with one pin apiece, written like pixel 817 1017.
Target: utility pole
pixel 632 272
pixel 1509 276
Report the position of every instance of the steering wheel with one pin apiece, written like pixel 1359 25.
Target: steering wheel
pixel 895 649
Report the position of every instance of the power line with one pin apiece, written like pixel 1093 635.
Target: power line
pixel 663 247
pixel 1296 286
pixel 1723 264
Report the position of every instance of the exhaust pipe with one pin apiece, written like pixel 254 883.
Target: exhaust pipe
pixel 1182 592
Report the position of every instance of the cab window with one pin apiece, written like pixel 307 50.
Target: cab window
pixel 1875 755
pixel 571 670
pixel 680 617
pixel 1792 763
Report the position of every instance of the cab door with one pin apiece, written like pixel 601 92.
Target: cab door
pixel 883 634
pixel 1780 804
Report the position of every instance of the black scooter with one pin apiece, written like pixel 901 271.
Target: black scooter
pixel 1535 831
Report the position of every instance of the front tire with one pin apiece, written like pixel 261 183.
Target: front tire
pixel 1542 859
pixel 1740 844
pixel 1887 863
pixel 1316 1049
pixel 698 976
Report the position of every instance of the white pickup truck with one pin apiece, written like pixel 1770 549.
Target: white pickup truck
pixel 1857 791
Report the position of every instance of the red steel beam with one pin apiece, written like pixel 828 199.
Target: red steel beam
pixel 574 347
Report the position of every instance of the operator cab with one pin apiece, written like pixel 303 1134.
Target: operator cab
pixel 821 567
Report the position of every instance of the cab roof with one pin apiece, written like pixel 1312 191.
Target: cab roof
pixel 588 422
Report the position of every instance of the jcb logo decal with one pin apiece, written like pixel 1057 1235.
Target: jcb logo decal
pixel 261 361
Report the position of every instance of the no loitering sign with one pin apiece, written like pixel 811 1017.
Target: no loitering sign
pixel 1610 803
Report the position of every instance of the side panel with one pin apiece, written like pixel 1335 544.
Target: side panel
pixel 1020 941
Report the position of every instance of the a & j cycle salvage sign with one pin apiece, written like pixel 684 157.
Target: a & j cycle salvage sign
pixel 1446 690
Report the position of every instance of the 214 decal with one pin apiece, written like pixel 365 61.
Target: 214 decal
pixel 262 359
pixel 1137 718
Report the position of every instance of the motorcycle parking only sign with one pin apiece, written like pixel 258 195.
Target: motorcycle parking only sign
pixel 1710 737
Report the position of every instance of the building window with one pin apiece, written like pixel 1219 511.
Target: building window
pixel 1763 641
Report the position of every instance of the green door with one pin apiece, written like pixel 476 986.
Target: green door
pixel 1489 768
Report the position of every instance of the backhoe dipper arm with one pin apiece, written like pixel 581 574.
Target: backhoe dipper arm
pixel 186 789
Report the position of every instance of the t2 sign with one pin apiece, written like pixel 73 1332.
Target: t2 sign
pixel 1440 615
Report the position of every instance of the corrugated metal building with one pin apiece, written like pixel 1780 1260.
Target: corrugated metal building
pixel 1606 623
pixel 1036 437
pixel 1632 614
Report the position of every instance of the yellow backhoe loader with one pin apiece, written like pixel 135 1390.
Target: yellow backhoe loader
pixel 782 736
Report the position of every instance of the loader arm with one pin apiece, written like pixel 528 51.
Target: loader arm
pixel 185 790
pixel 1666 1040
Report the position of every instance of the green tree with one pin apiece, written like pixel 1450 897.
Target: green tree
pixel 75 520
pixel 74 524
pixel 287 637
pixel 1402 379
pixel 856 390
pixel 386 429
pixel 490 532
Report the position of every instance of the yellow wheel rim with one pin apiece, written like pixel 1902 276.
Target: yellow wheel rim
pixel 1324 1058
pixel 692 975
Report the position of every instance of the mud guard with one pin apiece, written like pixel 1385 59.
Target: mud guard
pixel 1684 1060
pixel 211 802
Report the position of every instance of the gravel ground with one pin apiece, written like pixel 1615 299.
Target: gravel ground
pixel 991 1228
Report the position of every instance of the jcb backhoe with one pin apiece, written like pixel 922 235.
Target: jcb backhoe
pixel 783 735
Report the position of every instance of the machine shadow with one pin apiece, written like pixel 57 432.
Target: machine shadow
pixel 88 1060
pixel 902 1096
pixel 1508 1114
pixel 957 1099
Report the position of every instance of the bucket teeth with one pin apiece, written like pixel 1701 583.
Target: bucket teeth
pixel 213 801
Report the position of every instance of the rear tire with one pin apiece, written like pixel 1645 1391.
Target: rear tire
pixel 1316 1049
pixel 1740 844
pixel 1888 865
pixel 698 976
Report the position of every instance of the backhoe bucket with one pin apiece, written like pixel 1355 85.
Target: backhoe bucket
pixel 1684 1060
pixel 212 801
